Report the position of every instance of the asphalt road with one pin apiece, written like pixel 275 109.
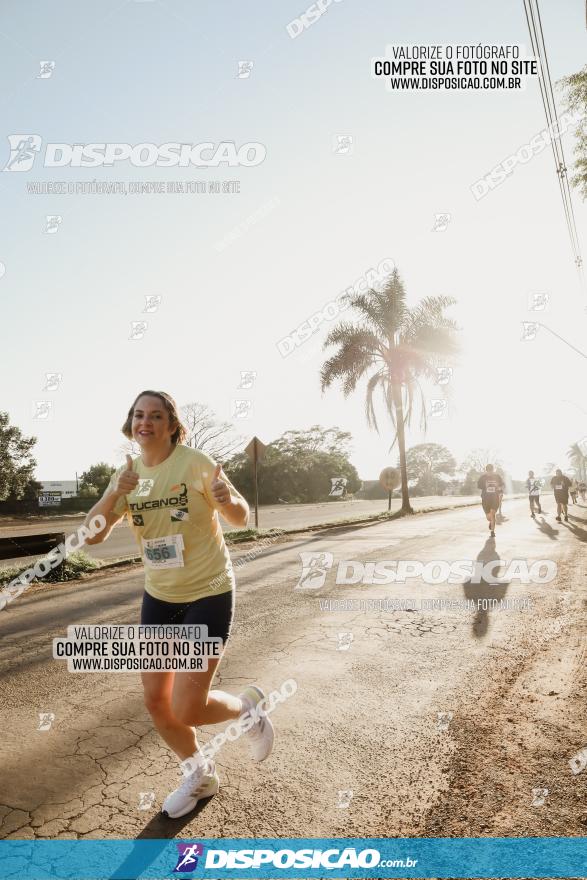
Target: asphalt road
pixel 284 516
pixel 361 749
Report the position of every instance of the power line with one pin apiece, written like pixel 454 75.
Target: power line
pixel 562 339
pixel 534 22
pixel 563 165
pixel 550 107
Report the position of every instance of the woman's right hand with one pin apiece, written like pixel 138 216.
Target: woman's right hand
pixel 127 480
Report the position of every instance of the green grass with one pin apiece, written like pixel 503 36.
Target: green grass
pixel 238 536
pixel 75 566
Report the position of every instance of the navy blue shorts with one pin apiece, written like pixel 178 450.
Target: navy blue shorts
pixel 215 612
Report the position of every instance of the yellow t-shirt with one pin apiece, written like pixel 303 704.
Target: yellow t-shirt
pixel 175 522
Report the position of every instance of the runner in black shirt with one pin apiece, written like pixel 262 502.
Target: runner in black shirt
pixel 561 484
pixel 491 485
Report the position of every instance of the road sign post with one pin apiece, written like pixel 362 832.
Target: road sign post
pixel 256 450
pixel 256 481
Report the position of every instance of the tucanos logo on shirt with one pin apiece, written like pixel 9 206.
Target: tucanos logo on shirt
pixel 179 500
pixel 137 519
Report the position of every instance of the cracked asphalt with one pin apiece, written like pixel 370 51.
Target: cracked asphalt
pixel 361 749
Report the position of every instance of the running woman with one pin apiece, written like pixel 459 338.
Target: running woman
pixel 533 485
pixel 491 484
pixel 172 495
pixel 561 484
pixel 573 490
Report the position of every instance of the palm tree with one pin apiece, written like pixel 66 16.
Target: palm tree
pixel 396 346
pixel 578 460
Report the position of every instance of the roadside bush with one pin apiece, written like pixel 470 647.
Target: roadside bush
pixel 75 566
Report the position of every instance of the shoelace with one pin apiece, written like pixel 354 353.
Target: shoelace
pixel 192 782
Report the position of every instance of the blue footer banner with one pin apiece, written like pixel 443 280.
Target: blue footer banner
pixel 294 857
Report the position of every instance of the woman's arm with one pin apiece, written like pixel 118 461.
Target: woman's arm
pixel 127 480
pixel 236 512
pixel 233 508
pixel 104 507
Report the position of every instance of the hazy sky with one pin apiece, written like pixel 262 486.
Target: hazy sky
pixel 158 72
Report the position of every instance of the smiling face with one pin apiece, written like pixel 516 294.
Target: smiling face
pixel 150 423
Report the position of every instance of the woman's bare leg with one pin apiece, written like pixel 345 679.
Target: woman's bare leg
pixel 178 702
pixel 180 737
pixel 194 703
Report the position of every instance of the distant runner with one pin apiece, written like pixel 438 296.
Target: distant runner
pixel 573 490
pixel 560 485
pixel 491 484
pixel 582 487
pixel 533 485
pixel 172 495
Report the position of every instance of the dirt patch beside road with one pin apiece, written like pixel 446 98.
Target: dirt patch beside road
pixel 510 773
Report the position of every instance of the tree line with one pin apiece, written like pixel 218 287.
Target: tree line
pixel 298 467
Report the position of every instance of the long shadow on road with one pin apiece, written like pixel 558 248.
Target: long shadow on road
pixel 580 534
pixel 160 829
pixel 547 529
pixel 483 592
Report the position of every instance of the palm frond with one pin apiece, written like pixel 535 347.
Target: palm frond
pixel 371 306
pixel 358 349
pixel 377 380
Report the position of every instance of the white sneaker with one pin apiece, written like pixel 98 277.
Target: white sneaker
pixel 202 783
pixel 261 734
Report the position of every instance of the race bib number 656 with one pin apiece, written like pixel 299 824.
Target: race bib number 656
pixel 163 552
